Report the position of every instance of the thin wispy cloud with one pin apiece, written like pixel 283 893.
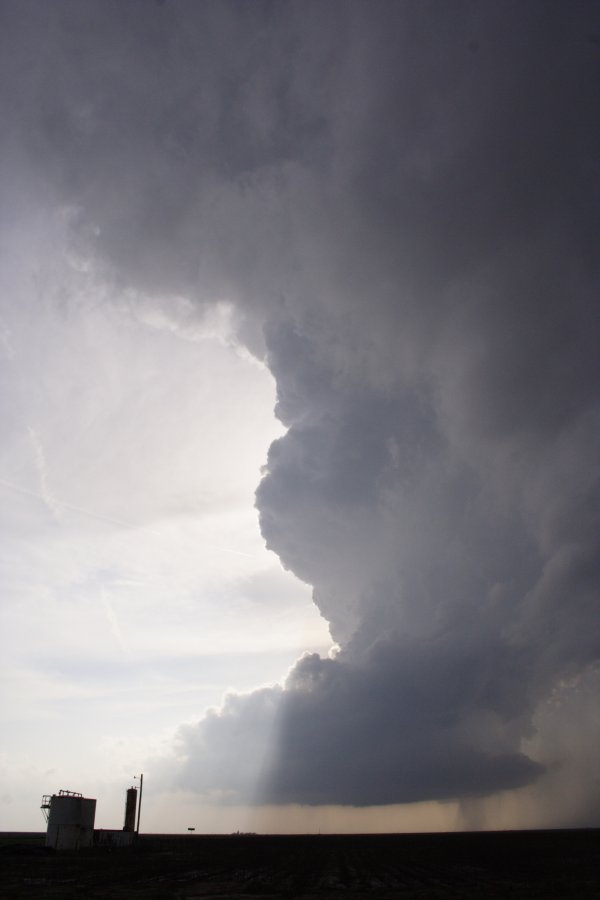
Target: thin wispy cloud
pixel 42 469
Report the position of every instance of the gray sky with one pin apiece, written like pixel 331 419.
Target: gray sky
pixel 381 220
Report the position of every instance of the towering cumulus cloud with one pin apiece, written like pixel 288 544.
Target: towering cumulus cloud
pixel 400 201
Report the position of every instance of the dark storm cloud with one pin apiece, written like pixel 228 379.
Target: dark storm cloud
pixel 411 724
pixel 402 201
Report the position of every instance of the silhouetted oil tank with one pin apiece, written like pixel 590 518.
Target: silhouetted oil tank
pixel 130 807
pixel 70 818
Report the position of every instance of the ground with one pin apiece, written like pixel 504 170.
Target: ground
pixel 526 864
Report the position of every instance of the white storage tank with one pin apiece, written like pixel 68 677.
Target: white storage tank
pixel 70 818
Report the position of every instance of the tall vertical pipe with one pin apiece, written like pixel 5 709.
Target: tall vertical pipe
pixel 130 809
pixel 140 804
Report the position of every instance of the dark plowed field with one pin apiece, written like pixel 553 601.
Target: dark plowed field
pixel 534 864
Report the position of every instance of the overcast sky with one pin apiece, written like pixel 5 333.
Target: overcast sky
pixel 300 454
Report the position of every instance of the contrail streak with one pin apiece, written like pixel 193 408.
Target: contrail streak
pixel 69 506
pixel 120 523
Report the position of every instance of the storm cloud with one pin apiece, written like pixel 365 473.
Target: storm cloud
pixel 399 202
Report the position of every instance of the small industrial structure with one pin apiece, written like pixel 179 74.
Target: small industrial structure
pixel 113 838
pixel 70 817
pixel 130 809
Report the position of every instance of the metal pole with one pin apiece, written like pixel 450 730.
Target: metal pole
pixel 137 831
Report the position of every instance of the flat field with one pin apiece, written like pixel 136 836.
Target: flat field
pixel 515 864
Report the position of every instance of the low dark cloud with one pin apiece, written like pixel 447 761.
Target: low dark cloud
pixel 401 201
